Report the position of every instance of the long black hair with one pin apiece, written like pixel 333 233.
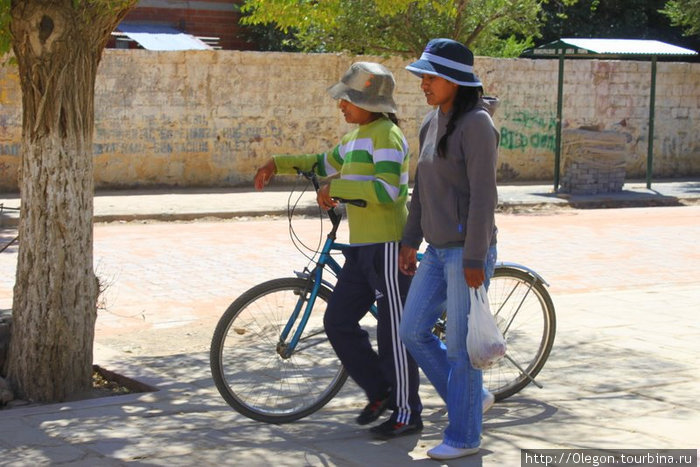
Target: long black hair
pixel 466 99
pixel 390 116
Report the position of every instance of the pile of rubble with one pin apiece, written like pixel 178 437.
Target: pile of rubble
pixel 593 161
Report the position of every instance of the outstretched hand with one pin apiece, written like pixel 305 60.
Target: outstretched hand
pixel 264 174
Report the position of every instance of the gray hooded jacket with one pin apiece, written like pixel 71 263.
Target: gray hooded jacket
pixel 454 198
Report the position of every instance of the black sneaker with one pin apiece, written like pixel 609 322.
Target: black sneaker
pixel 372 411
pixel 392 428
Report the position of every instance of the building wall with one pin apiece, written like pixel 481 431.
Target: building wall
pixel 217 18
pixel 210 118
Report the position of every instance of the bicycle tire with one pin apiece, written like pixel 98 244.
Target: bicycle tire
pixel 249 372
pixel 525 313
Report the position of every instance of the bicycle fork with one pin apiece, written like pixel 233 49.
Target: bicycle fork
pixel 300 314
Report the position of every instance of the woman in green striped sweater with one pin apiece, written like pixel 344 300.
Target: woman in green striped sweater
pixel 369 163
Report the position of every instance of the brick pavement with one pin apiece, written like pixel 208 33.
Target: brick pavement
pixel 622 373
pixel 169 275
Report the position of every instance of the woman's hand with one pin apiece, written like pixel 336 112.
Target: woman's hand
pixel 408 260
pixel 474 277
pixel 265 174
pixel 323 198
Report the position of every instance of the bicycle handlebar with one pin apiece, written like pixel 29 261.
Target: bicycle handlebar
pixel 355 202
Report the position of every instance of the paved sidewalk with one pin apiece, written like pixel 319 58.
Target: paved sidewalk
pixel 624 372
pixel 187 204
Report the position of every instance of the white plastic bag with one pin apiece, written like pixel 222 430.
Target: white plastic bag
pixel 485 343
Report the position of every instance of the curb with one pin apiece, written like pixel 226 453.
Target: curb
pixel 10 219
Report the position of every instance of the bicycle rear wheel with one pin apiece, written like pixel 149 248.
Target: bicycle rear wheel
pixel 246 355
pixel 525 315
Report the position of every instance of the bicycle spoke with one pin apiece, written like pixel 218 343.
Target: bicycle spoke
pixel 250 373
pixel 316 342
pixel 515 313
pixel 525 316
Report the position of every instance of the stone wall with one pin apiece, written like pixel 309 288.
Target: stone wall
pixel 209 118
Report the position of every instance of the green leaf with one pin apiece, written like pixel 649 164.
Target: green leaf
pixel 386 27
pixel 5 37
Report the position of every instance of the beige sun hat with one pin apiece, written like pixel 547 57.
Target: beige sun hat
pixel 368 85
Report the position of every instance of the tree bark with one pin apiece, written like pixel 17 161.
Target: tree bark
pixel 58 46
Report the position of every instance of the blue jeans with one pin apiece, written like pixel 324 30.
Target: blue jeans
pixel 439 285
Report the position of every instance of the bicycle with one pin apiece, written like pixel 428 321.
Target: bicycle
pixel 271 361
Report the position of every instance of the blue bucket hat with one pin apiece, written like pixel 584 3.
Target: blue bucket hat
pixel 447 59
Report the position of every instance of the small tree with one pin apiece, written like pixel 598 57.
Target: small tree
pixel 57 45
pixel 494 27
pixel 684 13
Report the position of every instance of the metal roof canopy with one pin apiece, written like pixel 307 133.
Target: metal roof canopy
pixel 160 37
pixel 605 49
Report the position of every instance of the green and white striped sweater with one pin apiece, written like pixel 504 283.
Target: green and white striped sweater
pixel 372 161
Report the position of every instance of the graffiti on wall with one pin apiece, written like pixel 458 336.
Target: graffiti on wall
pixel 525 129
pixel 163 138
pixel 12 149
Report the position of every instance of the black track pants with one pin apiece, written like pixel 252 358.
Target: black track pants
pixel 371 273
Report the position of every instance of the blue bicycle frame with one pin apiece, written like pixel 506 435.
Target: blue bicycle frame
pixel 314 278
pixel 304 306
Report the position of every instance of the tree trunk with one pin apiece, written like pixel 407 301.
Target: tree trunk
pixel 58 46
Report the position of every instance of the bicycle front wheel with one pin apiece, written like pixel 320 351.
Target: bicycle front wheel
pixel 525 315
pixel 248 357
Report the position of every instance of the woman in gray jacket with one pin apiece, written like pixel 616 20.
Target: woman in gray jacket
pixel 452 208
